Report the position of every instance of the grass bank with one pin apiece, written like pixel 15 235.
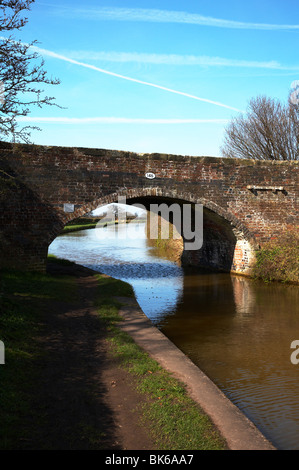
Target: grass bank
pixel 80 224
pixel 85 224
pixel 173 419
pixel 278 260
pixel 164 237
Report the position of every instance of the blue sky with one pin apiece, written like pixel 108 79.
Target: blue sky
pixel 159 76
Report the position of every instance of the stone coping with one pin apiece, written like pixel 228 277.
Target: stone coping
pixel 238 431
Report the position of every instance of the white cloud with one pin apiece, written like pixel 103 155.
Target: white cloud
pixel 166 16
pixel 175 59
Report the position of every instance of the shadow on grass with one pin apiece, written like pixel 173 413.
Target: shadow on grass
pixel 52 395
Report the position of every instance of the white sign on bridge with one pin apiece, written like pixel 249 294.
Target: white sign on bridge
pixel 68 207
pixel 150 176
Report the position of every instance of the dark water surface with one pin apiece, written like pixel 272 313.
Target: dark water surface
pixel 237 330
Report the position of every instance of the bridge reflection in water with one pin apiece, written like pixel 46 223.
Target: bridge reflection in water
pixel 237 330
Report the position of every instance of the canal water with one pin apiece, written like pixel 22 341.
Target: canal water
pixel 237 330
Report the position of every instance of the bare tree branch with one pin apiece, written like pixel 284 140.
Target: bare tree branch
pixel 21 73
pixel 269 131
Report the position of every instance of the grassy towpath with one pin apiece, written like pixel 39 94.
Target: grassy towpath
pixel 73 380
pixel 84 224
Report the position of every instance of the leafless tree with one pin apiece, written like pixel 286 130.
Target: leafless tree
pixel 269 131
pixel 21 73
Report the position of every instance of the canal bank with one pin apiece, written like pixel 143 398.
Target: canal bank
pixel 64 386
pixel 237 330
pixel 80 397
pixel 238 431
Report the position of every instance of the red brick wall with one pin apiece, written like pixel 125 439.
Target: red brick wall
pixel 49 177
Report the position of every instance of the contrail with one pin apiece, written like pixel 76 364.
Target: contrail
pixel 176 59
pixel 118 120
pixel 151 15
pixel 124 77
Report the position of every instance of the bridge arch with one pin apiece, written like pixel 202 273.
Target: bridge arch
pixel 228 245
pixel 245 201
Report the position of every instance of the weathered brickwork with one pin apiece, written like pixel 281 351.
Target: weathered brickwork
pixel 245 202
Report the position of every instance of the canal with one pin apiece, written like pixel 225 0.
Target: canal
pixel 237 330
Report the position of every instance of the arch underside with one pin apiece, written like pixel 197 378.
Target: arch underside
pixel 227 245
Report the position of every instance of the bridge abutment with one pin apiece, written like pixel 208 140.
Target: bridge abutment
pixel 238 258
pixel 27 224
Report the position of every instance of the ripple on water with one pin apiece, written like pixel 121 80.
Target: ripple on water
pixel 238 331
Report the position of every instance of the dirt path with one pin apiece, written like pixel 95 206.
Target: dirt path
pixel 86 401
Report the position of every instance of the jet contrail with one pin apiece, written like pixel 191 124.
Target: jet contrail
pixel 124 77
pixel 163 16
pixel 118 120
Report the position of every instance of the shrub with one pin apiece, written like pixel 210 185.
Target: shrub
pixel 278 260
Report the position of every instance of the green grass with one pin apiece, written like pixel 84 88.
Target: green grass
pixel 22 297
pixel 84 224
pixel 60 261
pixel 174 420
pixel 76 228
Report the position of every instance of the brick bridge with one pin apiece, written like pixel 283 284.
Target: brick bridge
pixel 245 202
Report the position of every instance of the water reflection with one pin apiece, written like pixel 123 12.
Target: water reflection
pixel 243 294
pixel 237 330
pixel 123 253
